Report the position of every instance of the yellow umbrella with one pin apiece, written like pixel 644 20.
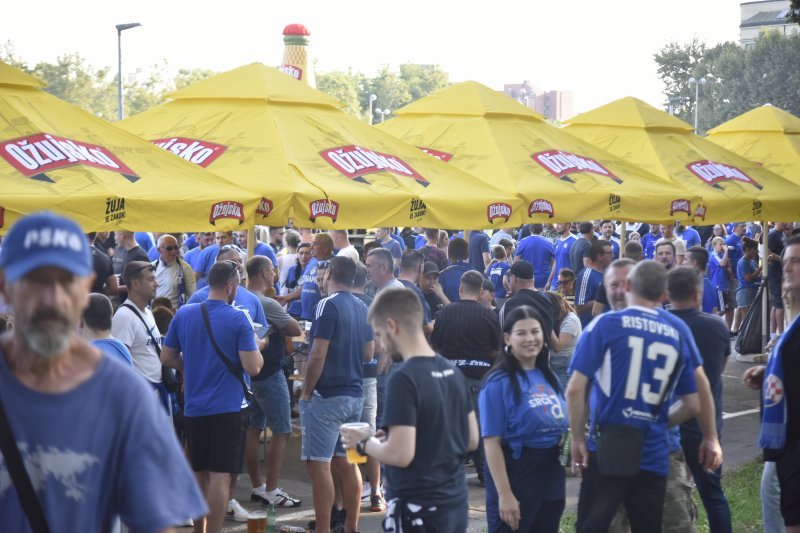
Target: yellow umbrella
pixel 311 161
pixel 767 135
pixel 499 140
pixel 728 186
pixel 56 156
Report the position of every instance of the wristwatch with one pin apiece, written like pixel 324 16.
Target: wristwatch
pixel 361 447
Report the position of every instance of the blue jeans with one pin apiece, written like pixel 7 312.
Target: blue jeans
pixel 709 486
pixel 771 500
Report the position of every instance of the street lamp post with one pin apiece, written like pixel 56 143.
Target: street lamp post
pixel 372 98
pixel 524 94
pixel 697 84
pixel 120 29
pixel 383 113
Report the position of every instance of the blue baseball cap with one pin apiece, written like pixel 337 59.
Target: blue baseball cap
pixel 45 240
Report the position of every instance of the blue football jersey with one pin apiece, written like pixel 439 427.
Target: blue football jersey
pixel 630 355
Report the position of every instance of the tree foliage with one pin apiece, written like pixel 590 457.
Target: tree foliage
pixel 738 79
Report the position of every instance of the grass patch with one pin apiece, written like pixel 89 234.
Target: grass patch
pixel 741 486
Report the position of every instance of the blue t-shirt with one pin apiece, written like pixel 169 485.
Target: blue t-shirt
pixel 114 348
pixel 587 284
pixel 143 239
pixel 478 245
pixel 648 243
pixel 537 420
pixel 562 248
pixel 153 253
pixel 309 296
pixel 496 272
pixel 103 449
pixel 737 253
pixel 341 318
pixel 204 263
pixel 267 251
pixel 394 248
pixel 295 307
pixel 190 242
pixel 747 266
pixel 193 258
pixel 539 252
pixel 710 296
pixel 718 274
pixel 245 301
pixel 426 308
pixel 450 279
pixel 420 241
pixel 209 387
pixel 399 240
pixel 652 340
pixel 690 237
pixel 614 247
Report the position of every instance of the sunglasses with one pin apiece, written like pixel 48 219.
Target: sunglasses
pixel 148 267
pixel 170 248
pixel 228 248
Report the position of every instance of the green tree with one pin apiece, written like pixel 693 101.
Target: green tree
pixel 186 77
pixel 423 80
pixel 343 86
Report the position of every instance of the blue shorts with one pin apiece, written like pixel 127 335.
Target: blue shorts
pixel 271 406
pixel 745 296
pixel 320 420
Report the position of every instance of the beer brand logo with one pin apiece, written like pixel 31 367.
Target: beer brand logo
pixel 757 205
pixel 323 208
pixel 226 209
pixel 540 205
pixel 2 216
pixel 700 212
pixel 418 209
pixel 201 153
pixel 712 173
pixel 614 202
pixel 442 156
pixel 264 207
pixel 561 164
pixel 680 206
pixel 293 71
pixel 498 210
pixel 35 155
pixel 115 209
pixel 355 162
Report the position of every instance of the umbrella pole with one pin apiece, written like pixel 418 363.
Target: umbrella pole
pixel 765 299
pixel 623 233
pixel 251 241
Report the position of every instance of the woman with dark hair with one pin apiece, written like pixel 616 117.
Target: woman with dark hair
pixel 524 420
pixel 294 278
pixel 563 343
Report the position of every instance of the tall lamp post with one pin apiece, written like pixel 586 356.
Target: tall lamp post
pixel 524 94
pixel 383 113
pixel 372 98
pixel 120 29
pixel 697 84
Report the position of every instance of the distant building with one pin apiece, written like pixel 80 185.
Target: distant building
pixel 555 105
pixel 764 15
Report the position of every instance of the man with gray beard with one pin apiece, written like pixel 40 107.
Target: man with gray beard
pixel 83 439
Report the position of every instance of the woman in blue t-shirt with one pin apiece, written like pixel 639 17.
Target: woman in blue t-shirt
pixel 294 279
pixel 523 421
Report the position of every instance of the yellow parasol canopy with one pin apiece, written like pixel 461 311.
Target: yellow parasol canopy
pixel 728 186
pixel 56 156
pixel 310 160
pixel 767 135
pixel 501 141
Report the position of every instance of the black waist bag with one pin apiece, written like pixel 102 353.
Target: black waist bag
pixel 619 450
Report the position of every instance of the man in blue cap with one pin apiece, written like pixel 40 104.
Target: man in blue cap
pixel 94 444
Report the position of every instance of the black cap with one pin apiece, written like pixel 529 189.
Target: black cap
pixel 430 268
pixel 522 270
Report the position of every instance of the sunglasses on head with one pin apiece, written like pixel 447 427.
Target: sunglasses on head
pixel 147 267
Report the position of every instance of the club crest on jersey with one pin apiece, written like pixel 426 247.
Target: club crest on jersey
pixel 35 155
pixel 201 153
pixel 291 70
pixel 561 164
pixel 323 208
pixel 541 206
pixel 355 162
pixel 442 156
pixel 226 209
pixel 680 206
pixel 498 210
pixel 713 173
pixel 773 391
pixel 264 207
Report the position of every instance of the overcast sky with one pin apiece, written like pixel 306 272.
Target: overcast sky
pixel 600 50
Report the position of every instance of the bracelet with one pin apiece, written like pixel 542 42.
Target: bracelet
pixel 361 447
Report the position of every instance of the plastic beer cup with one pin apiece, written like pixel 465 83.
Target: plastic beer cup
pixel 353 457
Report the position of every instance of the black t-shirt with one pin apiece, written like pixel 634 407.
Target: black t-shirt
pixel 434 303
pixel 775 243
pixel 102 269
pixel 468 334
pixel 791 384
pixel 579 249
pixel 538 301
pixel 429 394
pixel 426 309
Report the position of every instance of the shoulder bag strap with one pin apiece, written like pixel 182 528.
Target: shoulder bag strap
pixel 150 333
pixel 19 476
pixel 227 362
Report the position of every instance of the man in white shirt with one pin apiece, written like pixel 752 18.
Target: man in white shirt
pixel 341 242
pixel 668 234
pixel 175 276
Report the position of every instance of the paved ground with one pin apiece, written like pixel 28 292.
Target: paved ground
pixel 740 411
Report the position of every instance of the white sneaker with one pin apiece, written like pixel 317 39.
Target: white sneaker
pixel 236 512
pixel 366 491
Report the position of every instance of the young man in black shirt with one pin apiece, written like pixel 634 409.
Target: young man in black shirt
pixel 429 422
pixel 430 287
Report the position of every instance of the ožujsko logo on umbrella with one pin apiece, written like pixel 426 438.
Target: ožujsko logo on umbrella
pixel 35 155
pixel 561 164
pixel 699 212
pixel 201 153
pixel 680 206
pixel 323 208
pixel 712 173
pixel 498 210
pixel 264 207
pixel 226 209
pixel 541 206
pixel 355 162
pixel 291 70
pixel 442 156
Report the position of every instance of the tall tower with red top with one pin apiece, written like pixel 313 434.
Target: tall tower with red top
pixel 296 61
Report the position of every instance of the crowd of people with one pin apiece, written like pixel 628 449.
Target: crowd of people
pixel 532 353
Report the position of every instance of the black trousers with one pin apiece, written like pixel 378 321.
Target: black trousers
pixel 642 495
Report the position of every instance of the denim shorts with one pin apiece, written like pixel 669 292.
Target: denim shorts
pixel 320 419
pixel 745 296
pixel 369 412
pixel 271 406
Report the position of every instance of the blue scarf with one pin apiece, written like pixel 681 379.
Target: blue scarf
pixel 773 420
